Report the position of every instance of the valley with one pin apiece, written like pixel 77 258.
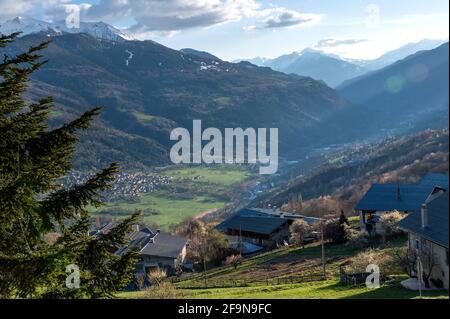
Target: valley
pixel 185 192
pixel 114 174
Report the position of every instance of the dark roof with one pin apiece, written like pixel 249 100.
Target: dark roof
pixel 388 197
pixel 435 179
pixel 253 221
pixel 385 197
pixel 164 245
pixel 437 229
pixel 152 243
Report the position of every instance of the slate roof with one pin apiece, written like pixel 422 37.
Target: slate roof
pixel 164 245
pixel 437 229
pixel 384 197
pixel 253 221
pixel 435 179
pixel 151 243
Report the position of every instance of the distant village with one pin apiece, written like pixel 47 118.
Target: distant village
pixel 127 186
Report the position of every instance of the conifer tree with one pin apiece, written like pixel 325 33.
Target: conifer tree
pixel 33 203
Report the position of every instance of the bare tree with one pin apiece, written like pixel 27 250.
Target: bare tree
pixel 299 231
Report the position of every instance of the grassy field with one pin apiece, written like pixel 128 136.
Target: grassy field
pixel 192 191
pixel 164 211
pixel 328 289
pixel 223 176
pixel 264 276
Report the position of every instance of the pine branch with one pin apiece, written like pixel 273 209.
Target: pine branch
pixel 68 203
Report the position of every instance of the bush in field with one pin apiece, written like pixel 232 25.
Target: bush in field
pixel 299 231
pixel 165 290
pixel 389 223
pixel 356 238
pixel 334 232
pixel 386 260
pixel 206 244
pixel 156 276
pixel 343 219
pixel 234 260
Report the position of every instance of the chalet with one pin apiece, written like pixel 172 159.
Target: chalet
pixel 262 227
pixel 428 238
pixel 157 249
pixel 404 198
pixel 257 227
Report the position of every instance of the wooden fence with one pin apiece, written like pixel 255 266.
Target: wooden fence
pixel 199 283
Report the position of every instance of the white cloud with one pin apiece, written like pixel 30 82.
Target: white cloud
pixel 175 15
pixel 249 28
pixel 330 43
pixel 147 17
pixel 169 15
pixel 281 18
pixel 15 8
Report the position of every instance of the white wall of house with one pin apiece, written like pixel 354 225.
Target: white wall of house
pixel 439 253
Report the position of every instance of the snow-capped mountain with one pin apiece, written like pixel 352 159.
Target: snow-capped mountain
pixel 399 54
pixel 27 25
pixel 317 64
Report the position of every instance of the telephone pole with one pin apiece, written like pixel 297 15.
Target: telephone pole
pixel 323 249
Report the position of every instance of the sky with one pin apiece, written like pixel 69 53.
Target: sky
pixel 238 29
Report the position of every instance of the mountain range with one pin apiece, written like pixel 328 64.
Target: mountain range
pixel 147 89
pixel 27 25
pixel 315 64
pixel 399 54
pixel 410 93
pixel 333 69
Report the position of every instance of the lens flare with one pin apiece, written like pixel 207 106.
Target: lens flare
pixel 394 84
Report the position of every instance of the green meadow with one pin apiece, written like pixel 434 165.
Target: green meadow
pixel 193 191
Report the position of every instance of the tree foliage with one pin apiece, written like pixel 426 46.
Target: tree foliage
pixel 33 203
pixel 299 231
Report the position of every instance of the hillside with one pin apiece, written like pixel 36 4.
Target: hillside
pixel 286 273
pixel 410 94
pixel 342 181
pixel 147 89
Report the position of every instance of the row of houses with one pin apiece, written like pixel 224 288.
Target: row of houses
pixel 424 205
pixel 251 230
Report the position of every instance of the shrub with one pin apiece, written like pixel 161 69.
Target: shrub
pixel 385 259
pixel 299 231
pixel 343 219
pixel 156 276
pixel 165 290
pixel 356 238
pixel 389 223
pixel 234 260
pixel 208 245
pixel 333 231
